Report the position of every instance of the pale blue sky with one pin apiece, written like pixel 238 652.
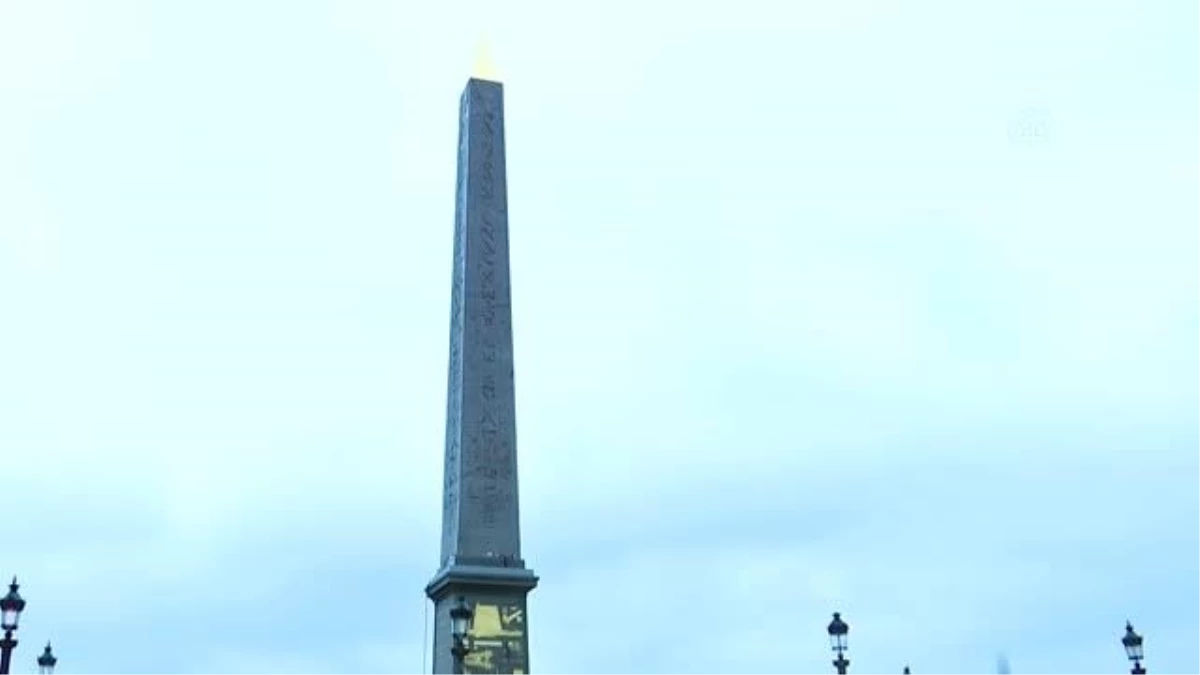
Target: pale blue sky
pixel 806 318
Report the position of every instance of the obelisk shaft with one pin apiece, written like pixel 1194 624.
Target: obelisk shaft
pixel 481 534
pixel 481 511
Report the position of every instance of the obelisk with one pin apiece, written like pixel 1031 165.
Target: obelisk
pixel 481 529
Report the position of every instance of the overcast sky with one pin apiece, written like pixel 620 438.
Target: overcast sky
pixel 880 307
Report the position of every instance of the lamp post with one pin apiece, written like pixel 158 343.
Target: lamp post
pixel 11 607
pixel 460 623
pixel 47 661
pixel 838 630
pixel 1133 649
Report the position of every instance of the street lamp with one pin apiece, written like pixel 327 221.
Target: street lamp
pixel 837 637
pixel 1133 649
pixel 460 623
pixel 47 661
pixel 11 607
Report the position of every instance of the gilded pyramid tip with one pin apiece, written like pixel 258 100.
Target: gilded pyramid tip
pixel 484 68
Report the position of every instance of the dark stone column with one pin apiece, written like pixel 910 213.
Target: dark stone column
pixel 481 528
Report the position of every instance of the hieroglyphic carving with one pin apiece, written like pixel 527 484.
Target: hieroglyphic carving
pixel 491 416
pixel 451 495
